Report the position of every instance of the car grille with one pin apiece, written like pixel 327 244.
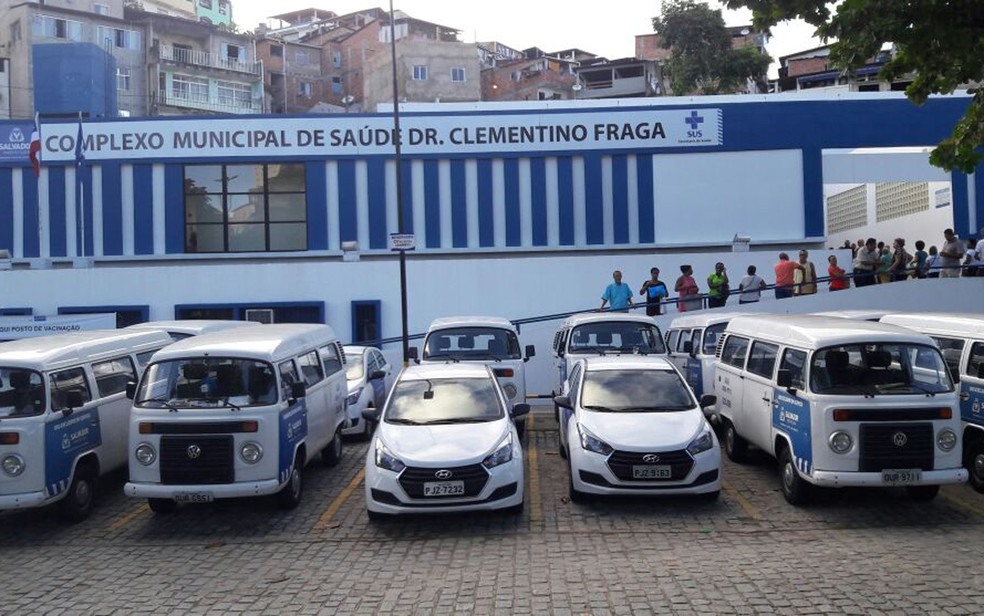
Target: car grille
pixel 879 449
pixel 213 465
pixel 621 463
pixel 413 478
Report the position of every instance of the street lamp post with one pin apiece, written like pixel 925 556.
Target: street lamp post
pixel 401 225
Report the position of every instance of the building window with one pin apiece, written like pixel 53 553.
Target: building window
pixel 305 88
pixel 125 315
pixel 190 88
pixel 238 95
pixel 457 74
pixel 420 72
pixel 51 27
pixel 100 9
pixel 336 85
pixel 366 322
pixel 245 208
pixel 117 37
pixel 276 51
pixel 336 59
pixel 122 79
pixel 301 57
pixel 15 31
pixel 205 4
pixel 223 8
pixel 233 53
pixel 287 312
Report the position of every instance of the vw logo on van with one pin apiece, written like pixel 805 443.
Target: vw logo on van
pixel 650 458
pixel 443 474
pixel 900 439
pixel 194 451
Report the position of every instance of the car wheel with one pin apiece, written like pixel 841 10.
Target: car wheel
pixel 922 494
pixel 370 426
pixel 974 461
pixel 794 488
pixel 573 493
pixel 162 505
pixel 734 445
pixel 289 496
pixel 331 455
pixel 77 504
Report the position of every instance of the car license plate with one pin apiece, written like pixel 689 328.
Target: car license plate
pixel 652 472
pixel 901 476
pixel 194 497
pixel 444 488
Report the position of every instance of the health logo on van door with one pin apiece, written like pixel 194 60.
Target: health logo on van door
pixel 694 377
pixel 65 439
pixel 791 415
pixel 972 408
pixel 293 430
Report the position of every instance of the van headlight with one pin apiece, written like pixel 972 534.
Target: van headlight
pixel 946 439
pixel 501 455
pixel 702 443
pixel 13 465
pixel 510 390
pixel 353 398
pixel 840 442
pixel 145 454
pixel 590 442
pixel 251 452
pixel 384 459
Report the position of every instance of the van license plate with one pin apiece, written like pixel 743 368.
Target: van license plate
pixel 194 497
pixel 652 472
pixel 901 476
pixel 444 488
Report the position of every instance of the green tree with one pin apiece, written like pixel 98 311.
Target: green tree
pixel 939 42
pixel 702 59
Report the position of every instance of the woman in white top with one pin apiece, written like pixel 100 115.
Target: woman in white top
pixel 751 287
pixel 933 264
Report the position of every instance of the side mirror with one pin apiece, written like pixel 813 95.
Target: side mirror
pixel 784 378
pixel 563 401
pixel 412 353
pixel 708 400
pixel 370 414
pixel 518 410
pixel 688 347
pixel 131 390
pixel 298 390
pixel 530 352
pixel 378 374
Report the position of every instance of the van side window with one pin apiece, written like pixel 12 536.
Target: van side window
pixel 21 393
pixel 67 381
pixel 330 359
pixel 113 375
pixel 952 349
pixel 310 368
pixel 288 376
pixel 976 362
pixel 684 337
pixel 794 361
pixel 762 359
pixel 712 335
pixel 671 339
pixel 735 349
pixel 380 360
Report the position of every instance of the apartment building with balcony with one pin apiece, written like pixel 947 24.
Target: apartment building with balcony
pixel 531 75
pixel 176 8
pixel 811 69
pixel 622 78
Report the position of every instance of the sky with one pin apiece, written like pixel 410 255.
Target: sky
pixel 551 25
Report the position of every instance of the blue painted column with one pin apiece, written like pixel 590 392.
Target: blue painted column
pixel 813 225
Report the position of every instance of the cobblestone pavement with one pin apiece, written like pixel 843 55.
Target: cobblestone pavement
pixel 854 552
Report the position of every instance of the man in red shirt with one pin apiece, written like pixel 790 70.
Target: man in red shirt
pixel 784 276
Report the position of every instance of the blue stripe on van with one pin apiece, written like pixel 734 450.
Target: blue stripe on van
pixel 459 205
pixel 647 200
pixel 7 208
pixel 620 198
pixel 31 220
pixel 112 207
pixel 57 235
pixel 143 209
pixel 538 199
pixel 174 209
pixel 486 224
pixel 514 235
pixel 315 183
pixel 565 197
pixel 348 221
pixel 432 203
pixel 594 214
pixel 376 174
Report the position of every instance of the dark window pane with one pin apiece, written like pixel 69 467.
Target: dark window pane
pixel 288 236
pixel 204 238
pixel 244 178
pixel 287 207
pixel 203 208
pixel 246 208
pixel 247 238
pixel 203 178
pixel 286 178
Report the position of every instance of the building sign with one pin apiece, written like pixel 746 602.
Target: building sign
pixel 15 328
pixel 15 142
pixel 402 241
pixel 942 197
pixel 373 135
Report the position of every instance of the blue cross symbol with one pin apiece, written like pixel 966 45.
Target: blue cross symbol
pixel 694 120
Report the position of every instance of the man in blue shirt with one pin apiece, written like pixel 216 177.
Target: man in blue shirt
pixel 618 294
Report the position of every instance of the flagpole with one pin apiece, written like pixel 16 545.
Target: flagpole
pixel 37 190
pixel 79 164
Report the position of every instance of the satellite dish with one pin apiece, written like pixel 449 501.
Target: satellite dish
pixel 745 31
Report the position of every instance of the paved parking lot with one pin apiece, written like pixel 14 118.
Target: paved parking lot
pixel 854 552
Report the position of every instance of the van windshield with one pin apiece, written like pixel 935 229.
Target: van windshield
pixel 712 335
pixel 21 393
pixel 879 369
pixel 616 337
pixel 444 401
pixel 626 391
pixel 207 382
pixel 472 344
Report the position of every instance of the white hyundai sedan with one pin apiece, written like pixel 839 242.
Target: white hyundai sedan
pixel 630 425
pixel 446 442
pixel 369 378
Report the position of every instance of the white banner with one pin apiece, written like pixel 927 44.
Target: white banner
pixel 373 135
pixel 15 328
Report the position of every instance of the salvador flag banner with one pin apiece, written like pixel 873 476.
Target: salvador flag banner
pixel 34 153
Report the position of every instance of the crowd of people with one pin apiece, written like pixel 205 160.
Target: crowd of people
pixel 874 262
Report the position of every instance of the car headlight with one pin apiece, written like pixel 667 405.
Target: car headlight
pixel 840 442
pixel 703 442
pixel 590 442
pixel 13 465
pixel 501 455
pixel 946 440
pixel 384 459
pixel 353 398
pixel 251 452
pixel 145 454
pixel 510 390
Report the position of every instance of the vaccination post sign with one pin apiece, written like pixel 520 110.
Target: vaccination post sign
pixel 15 328
pixel 374 135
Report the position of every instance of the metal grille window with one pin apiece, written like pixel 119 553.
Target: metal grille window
pixel 234 94
pixel 245 208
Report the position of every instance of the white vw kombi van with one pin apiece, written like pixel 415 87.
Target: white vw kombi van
pixel 64 414
pixel 691 343
pixel 237 413
pixel 839 403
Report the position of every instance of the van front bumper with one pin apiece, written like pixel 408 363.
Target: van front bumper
pixel 206 492
pixel 22 500
pixel 849 479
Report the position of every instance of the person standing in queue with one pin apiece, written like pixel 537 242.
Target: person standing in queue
pixel 838 277
pixel 718 283
pixel 618 295
pixel 654 290
pixel 784 276
pixel 805 277
pixel 686 286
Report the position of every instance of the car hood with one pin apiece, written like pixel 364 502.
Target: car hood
pixel 457 444
pixel 641 431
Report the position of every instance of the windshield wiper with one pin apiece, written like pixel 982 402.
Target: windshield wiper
pixel 913 385
pixel 442 356
pixel 403 422
pixel 454 420
pixel 223 401
pixel 165 401
pixel 599 408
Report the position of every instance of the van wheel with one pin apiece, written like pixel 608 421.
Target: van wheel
pixel 331 455
pixel 289 496
pixel 922 494
pixel 974 461
pixel 794 488
pixel 162 506
pixel 77 504
pixel 734 445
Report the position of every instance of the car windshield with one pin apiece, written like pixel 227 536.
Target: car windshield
pixel 616 337
pixel 21 392
pixel 635 391
pixel 207 382
pixel 353 366
pixel 444 401
pixel 879 369
pixel 472 343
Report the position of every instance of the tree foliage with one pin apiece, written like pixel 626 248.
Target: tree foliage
pixel 939 42
pixel 702 59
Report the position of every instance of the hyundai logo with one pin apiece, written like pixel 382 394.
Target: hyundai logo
pixel 900 439
pixel 443 474
pixel 650 458
pixel 194 451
